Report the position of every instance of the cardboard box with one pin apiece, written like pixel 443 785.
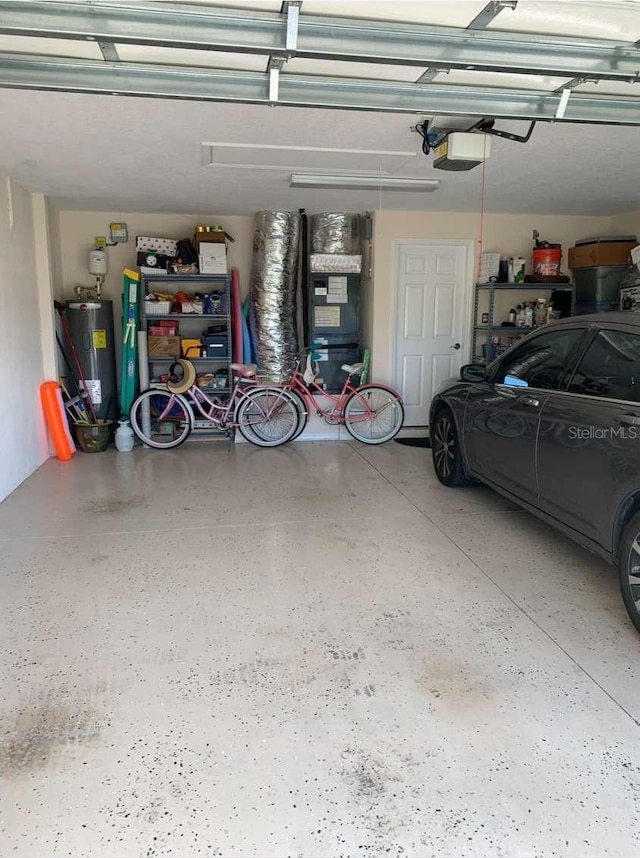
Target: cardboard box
pixel 163 346
pixel 164 246
pixel 214 236
pixel 600 253
pixel 630 299
pixel 212 258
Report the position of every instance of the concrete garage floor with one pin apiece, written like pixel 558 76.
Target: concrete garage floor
pixel 309 651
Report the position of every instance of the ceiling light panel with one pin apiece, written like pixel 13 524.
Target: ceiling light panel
pixel 302 157
pixel 356 182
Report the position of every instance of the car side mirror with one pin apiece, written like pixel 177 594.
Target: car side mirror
pixel 473 372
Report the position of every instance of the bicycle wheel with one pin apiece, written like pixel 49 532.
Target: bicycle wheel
pixel 161 419
pixel 373 414
pixel 303 412
pixel 267 417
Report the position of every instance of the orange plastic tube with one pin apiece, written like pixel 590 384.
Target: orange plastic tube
pixel 54 414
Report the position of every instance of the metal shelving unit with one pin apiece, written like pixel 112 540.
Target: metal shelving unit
pixel 482 332
pixel 191 325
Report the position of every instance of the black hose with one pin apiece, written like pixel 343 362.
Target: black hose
pixel 304 280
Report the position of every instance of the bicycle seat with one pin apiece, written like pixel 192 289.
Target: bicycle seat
pixel 243 370
pixel 352 368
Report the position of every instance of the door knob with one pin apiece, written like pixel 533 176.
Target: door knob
pixel 455 346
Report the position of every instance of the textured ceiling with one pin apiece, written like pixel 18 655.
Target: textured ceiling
pixel 140 154
pixel 136 154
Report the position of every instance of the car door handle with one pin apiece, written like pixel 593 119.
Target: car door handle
pixel 629 420
pixel 530 401
pixel 455 346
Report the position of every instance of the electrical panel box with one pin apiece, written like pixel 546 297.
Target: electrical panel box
pixel 119 232
pixel 334 304
pixel 334 319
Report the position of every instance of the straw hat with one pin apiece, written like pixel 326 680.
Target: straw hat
pixel 182 376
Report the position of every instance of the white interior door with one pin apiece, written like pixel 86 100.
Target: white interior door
pixel 433 310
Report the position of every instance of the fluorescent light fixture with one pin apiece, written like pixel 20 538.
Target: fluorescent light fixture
pixel 355 182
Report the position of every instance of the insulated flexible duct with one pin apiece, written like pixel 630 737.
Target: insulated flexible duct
pixel 335 232
pixel 273 289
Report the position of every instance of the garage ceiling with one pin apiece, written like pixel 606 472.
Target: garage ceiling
pixel 90 151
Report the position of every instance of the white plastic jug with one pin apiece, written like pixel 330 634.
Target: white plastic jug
pixel 124 437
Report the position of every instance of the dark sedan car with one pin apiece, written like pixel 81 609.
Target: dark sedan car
pixel 554 424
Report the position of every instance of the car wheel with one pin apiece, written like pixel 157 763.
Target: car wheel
pixel 629 566
pixel 445 447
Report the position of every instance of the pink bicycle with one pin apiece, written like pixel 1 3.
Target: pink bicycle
pixel 372 413
pixel 163 417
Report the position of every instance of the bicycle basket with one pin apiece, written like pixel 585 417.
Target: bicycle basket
pixel 275 378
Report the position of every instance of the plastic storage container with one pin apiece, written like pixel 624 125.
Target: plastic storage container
pixel 216 346
pixel 598 288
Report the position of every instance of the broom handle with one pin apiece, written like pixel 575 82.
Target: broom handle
pixel 65 327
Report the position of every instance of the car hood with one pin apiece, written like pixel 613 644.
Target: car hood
pixel 450 382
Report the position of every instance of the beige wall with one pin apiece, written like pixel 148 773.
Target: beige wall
pixel 24 439
pixel 627 223
pixel 55 249
pixel 505 233
pixel 43 264
pixel 77 231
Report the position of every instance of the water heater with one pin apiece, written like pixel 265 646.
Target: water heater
pixel 91 327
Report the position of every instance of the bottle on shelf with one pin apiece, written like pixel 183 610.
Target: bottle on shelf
pixel 528 317
pixel 540 314
pixel 518 264
pixel 512 316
